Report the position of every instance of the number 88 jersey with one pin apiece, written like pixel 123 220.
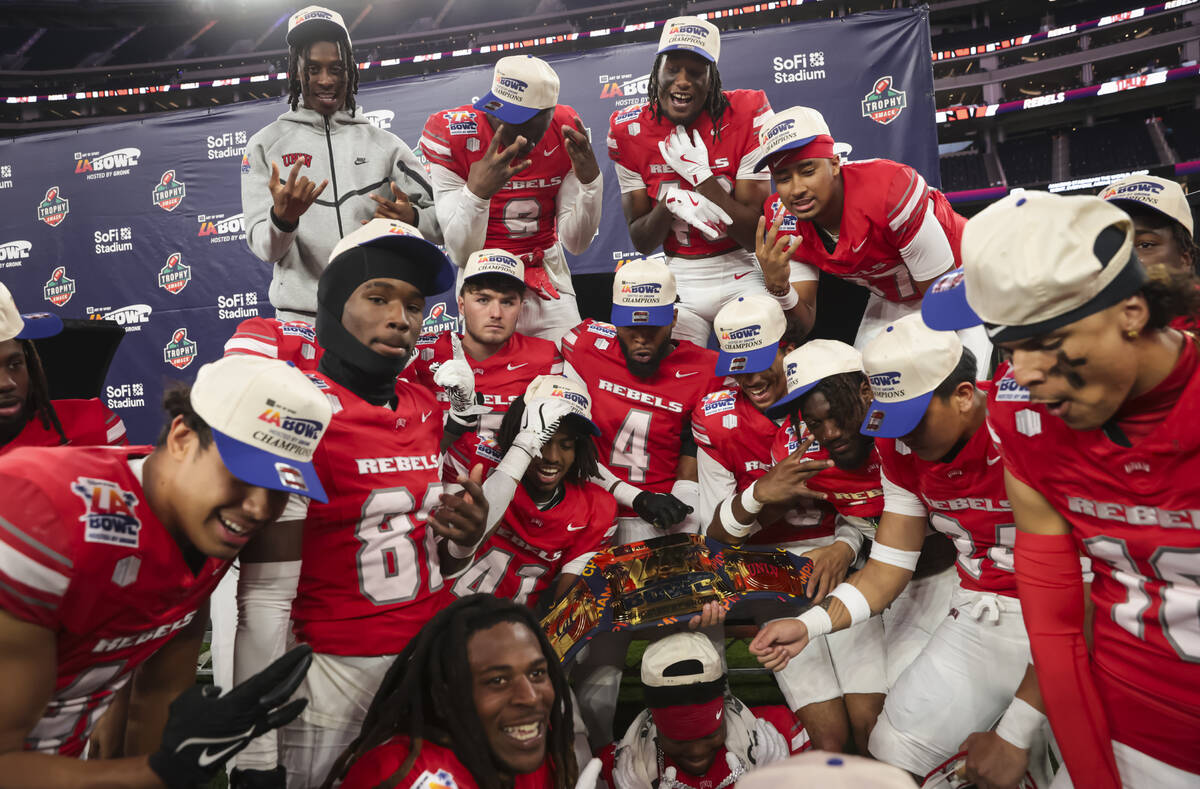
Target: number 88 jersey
pixel 522 215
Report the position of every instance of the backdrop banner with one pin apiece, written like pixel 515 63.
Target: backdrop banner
pixel 141 222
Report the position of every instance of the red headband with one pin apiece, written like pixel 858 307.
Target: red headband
pixel 820 147
pixel 689 721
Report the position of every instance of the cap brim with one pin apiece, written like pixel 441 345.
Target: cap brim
pixel 762 162
pixel 742 362
pixel 316 30
pixel 442 271
pixel 786 404
pixel 257 467
pixel 687 48
pixel 946 309
pixel 895 420
pixel 591 426
pixel 662 315
pixel 39 325
pixel 505 111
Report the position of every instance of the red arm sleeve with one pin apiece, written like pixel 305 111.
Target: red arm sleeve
pixel 1050 585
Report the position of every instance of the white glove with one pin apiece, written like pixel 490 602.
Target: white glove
pixel 697 210
pixel 538 424
pixel 688 157
pixel 458 380
pixel 590 775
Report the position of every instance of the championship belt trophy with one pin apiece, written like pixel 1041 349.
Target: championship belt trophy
pixel 662 581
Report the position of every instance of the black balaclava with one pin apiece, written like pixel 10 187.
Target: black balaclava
pixel 347 361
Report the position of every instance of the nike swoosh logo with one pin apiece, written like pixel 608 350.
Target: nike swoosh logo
pixel 517 366
pixel 993 461
pixel 739 276
pixel 206 758
pixel 425 415
pixel 685 159
pixel 860 246
pixel 679 374
pixel 573 527
pixel 552 150
pixel 694 201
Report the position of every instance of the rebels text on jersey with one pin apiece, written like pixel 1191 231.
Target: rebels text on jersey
pixel 1136 512
pixel 633 138
pixel 883 210
pixel 435 767
pixel 499 379
pixel 531 546
pixel 84 422
pixel 641 420
pixel 855 493
pixel 289 341
pixel 380 468
pixel 967 502
pixel 84 557
pixel 522 215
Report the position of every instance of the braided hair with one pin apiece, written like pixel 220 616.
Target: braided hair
pixel 426 696
pixel 39 392
pixel 586 464
pixel 297 79
pixel 715 102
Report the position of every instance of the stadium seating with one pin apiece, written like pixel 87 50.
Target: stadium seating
pixel 962 171
pixel 1111 146
pixel 1026 160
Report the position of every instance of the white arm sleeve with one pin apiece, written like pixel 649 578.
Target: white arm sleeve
pixel 628 180
pixel 901 501
pixel 578 212
pixel 717 483
pixel 265 595
pixel 928 255
pixel 802 272
pixel 462 215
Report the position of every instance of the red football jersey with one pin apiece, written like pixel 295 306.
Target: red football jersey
pixel 1136 512
pixel 371 577
pixel 82 555
pixel 633 137
pixel 884 207
pixel 290 341
pixel 737 435
pixel 855 493
pixel 435 768
pixel 640 419
pixel 85 423
pixel 523 214
pixel 500 379
pixel 531 547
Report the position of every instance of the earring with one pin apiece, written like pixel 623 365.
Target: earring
pixel 1131 334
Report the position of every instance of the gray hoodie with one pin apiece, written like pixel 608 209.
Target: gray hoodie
pixel 359 160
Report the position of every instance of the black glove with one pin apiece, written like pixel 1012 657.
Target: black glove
pixel 204 729
pixel 661 509
pixel 258 779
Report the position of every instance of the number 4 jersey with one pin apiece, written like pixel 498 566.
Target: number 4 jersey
pixel 370 576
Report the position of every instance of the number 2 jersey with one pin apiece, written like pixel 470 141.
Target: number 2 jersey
pixel 82 555
pixel 879 244
pixel 633 138
pixel 641 420
pixel 370 576
pixel 1135 510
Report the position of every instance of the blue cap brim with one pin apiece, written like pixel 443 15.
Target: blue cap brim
pixel 687 48
pixel 784 405
pixel 661 315
pixel 505 111
pixel 591 426
pixel 945 308
pixel 761 163
pixel 258 467
pixel 444 272
pixel 746 362
pixel 39 325
pixel 895 420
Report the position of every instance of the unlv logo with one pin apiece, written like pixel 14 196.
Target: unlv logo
pixel 109 516
pixel 291 158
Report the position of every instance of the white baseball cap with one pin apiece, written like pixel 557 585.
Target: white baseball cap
pixel 828 771
pixel 266 417
pixel 811 363
pixel 944 306
pixel 643 294
pixel 904 364
pixel 681 659
pixel 494 261
pixel 1159 194
pixel 559 387
pixel 691 34
pixel 1034 261
pixel 437 269
pixel 793 128
pixel 748 331
pixel 314 23
pixel 30 326
pixel 522 86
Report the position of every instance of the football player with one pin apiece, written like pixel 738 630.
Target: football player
pixel 108 556
pixel 516 171
pixel 875 223
pixel 1104 456
pixel 28 417
pixel 684 162
pixel 382 458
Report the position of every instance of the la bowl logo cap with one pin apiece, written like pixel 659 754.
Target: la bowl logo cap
pixel 809 365
pixel 904 364
pixel 267 418
pixel 691 34
pixel 559 387
pixel 522 86
pixel 792 128
pixel 494 261
pixel 1159 194
pixel 643 294
pixel 748 331
pixel 313 22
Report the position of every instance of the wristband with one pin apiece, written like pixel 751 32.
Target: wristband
pixel 856 604
pixel 733 527
pixel 905 560
pixel 1020 724
pixel 459 552
pixel 787 300
pixel 749 503
pixel 816 620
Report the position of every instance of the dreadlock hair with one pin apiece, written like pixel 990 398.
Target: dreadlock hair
pixel 965 372
pixel 715 103
pixel 1170 293
pixel 39 391
pixel 298 79
pixel 844 395
pixel 425 695
pixel 586 464
pixel 177 401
